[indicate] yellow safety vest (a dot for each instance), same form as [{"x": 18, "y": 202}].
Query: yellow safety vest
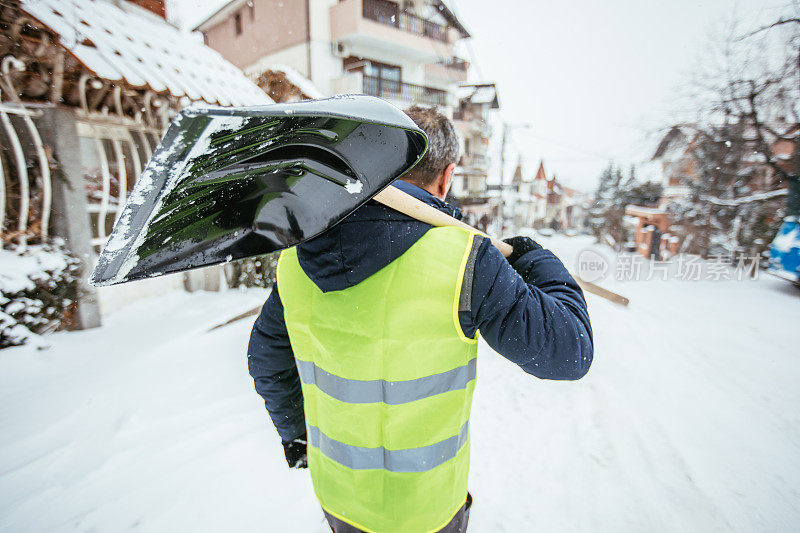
[{"x": 387, "y": 377}]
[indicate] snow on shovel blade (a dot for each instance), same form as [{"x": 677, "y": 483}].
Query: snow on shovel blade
[{"x": 233, "y": 183}]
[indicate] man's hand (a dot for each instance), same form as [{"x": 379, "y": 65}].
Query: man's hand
[
  {"x": 522, "y": 245},
  {"x": 295, "y": 452}
]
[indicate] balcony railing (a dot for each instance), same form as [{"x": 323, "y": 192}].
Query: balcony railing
[
  {"x": 455, "y": 63},
  {"x": 474, "y": 161},
  {"x": 389, "y": 13},
  {"x": 384, "y": 88}
]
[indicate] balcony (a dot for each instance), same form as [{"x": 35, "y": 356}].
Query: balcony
[
  {"x": 476, "y": 163},
  {"x": 408, "y": 92},
  {"x": 455, "y": 63},
  {"x": 366, "y": 26},
  {"x": 453, "y": 69},
  {"x": 388, "y": 13}
]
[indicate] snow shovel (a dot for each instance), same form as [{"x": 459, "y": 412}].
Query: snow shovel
[{"x": 227, "y": 184}]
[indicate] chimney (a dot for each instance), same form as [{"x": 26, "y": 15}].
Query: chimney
[{"x": 154, "y": 6}]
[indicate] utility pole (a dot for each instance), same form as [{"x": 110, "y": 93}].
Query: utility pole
[
  {"x": 503, "y": 156},
  {"x": 509, "y": 210},
  {"x": 507, "y": 127}
]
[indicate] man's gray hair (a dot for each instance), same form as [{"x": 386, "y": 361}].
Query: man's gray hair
[{"x": 443, "y": 145}]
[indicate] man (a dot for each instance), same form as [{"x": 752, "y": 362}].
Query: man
[{"x": 365, "y": 350}]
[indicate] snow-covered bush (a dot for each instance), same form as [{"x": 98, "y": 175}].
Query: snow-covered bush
[{"x": 37, "y": 288}]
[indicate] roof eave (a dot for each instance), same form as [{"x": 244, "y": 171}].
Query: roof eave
[
  {"x": 217, "y": 16},
  {"x": 452, "y": 19}
]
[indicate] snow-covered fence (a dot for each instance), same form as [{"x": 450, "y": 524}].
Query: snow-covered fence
[
  {"x": 19, "y": 131},
  {"x": 91, "y": 115},
  {"x": 113, "y": 156}
]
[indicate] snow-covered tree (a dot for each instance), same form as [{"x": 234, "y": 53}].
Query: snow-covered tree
[
  {"x": 614, "y": 193},
  {"x": 747, "y": 138}
]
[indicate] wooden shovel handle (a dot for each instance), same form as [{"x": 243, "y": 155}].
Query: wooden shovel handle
[{"x": 405, "y": 203}]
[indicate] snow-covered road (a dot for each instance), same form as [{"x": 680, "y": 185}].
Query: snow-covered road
[{"x": 688, "y": 421}]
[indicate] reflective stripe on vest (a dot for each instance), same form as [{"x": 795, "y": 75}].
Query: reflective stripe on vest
[
  {"x": 387, "y": 377},
  {"x": 409, "y": 460},
  {"x": 379, "y": 390}
]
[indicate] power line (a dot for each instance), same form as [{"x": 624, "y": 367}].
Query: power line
[
  {"x": 571, "y": 146},
  {"x": 473, "y": 58}
]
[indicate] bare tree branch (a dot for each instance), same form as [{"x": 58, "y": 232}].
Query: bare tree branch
[{"x": 782, "y": 21}]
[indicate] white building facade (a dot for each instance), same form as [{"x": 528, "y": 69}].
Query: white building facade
[{"x": 403, "y": 52}]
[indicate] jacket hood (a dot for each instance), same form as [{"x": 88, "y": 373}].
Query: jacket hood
[{"x": 365, "y": 241}]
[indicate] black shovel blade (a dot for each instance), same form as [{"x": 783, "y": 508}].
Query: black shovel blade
[{"x": 227, "y": 184}]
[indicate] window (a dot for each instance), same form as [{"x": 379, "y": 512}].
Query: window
[
  {"x": 379, "y": 78},
  {"x": 389, "y": 76},
  {"x": 237, "y": 23}
]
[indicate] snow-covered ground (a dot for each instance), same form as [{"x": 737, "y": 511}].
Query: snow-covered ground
[{"x": 688, "y": 421}]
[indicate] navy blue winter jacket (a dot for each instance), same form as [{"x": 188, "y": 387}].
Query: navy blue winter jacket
[{"x": 532, "y": 313}]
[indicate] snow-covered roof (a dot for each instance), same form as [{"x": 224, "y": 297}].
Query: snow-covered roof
[
  {"x": 540, "y": 173},
  {"x": 684, "y": 133},
  {"x": 219, "y": 15},
  {"x": 298, "y": 80},
  {"x": 484, "y": 93},
  {"x": 651, "y": 171},
  {"x": 639, "y": 210},
  {"x": 447, "y": 12},
  {"x": 121, "y": 41}
]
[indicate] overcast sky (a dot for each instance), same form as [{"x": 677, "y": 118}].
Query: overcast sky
[{"x": 591, "y": 78}]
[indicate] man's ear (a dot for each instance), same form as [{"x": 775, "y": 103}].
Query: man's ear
[{"x": 446, "y": 180}]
